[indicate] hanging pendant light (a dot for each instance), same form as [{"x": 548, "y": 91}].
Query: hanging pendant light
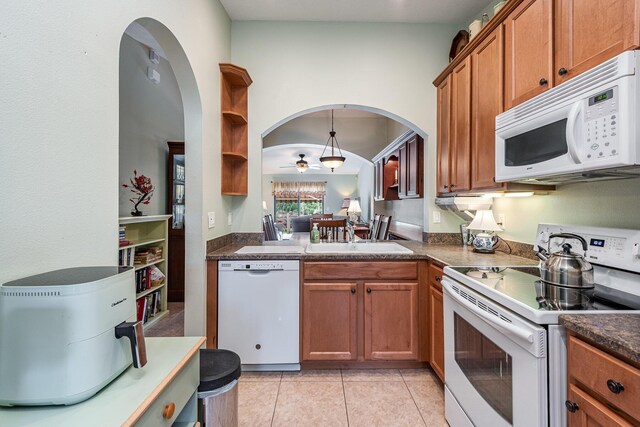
[
  {"x": 332, "y": 161},
  {"x": 302, "y": 164}
]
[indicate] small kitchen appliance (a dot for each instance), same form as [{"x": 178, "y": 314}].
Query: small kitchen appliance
[
  {"x": 62, "y": 334},
  {"x": 505, "y": 352},
  {"x": 582, "y": 129}
]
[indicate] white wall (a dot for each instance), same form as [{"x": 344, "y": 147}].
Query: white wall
[
  {"x": 150, "y": 115},
  {"x": 338, "y": 187},
  {"x": 59, "y": 120},
  {"x": 301, "y": 65}
]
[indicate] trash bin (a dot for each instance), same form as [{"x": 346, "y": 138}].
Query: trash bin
[{"x": 218, "y": 390}]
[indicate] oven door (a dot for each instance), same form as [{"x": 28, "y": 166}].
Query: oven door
[{"x": 495, "y": 362}]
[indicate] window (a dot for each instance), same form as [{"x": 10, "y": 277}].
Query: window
[{"x": 297, "y": 198}]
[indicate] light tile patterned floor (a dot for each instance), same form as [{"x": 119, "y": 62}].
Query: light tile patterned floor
[{"x": 355, "y": 397}]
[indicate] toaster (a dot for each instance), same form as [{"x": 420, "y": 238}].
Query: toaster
[{"x": 66, "y": 334}]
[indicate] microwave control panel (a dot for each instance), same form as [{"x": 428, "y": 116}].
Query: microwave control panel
[{"x": 601, "y": 125}]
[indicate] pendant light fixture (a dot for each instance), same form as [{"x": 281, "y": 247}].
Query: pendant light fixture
[
  {"x": 302, "y": 164},
  {"x": 332, "y": 161}
]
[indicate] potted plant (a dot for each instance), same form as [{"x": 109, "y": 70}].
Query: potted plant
[{"x": 142, "y": 188}]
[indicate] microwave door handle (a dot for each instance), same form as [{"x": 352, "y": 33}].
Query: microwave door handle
[
  {"x": 507, "y": 328},
  {"x": 572, "y": 145}
]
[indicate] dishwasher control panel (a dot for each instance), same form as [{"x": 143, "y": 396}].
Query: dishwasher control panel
[{"x": 252, "y": 265}]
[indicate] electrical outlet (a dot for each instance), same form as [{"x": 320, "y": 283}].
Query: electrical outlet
[
  {"x": 501, "y": 221},
  {"x": 229, "y": 218},
  {"x": 436, "y": 217},
  {"x": 212, "y": 219}
]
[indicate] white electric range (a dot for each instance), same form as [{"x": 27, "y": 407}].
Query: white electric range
[{"x": 505, "y": 353}]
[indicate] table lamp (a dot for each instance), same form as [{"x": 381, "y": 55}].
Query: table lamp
[
  {"x": 354, "y": 210},
  {"x": 485, "y": 241}
]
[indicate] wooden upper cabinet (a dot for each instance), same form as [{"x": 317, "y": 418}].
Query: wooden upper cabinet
[
  {"x": 444, "y": 132},
  {"x": 487, "y": 103},
  {"x": 415, "y": 174},
  {"x": 460, "y": 144},
  {"x": 529, "y": 68},
  {"x": 403, "y": 163},
  {"x": 329, "y": 321},
  {"x": 391, "y": 321},
  {"x": 588, "y": 32}
]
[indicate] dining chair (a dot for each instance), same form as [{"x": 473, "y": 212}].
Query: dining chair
[
  {"x": 331, "y": 227},
  {"x": 269, "y": 228},
  {"x": 383, "y": 231},
  {"x": 322, "y": 216},
  {"x": 375, "y": 226}
]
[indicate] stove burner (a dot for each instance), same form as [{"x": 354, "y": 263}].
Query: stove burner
[{"x": 558, "y": 298}]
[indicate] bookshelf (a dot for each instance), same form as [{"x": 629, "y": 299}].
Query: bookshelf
[
  {"x": 146, "y": 237},
  {"x": 234, "y": 82}
]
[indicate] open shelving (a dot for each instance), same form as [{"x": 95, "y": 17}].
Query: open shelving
[
  {"x": 233, "y": 104},
  {"x": 149, "y": 231}
]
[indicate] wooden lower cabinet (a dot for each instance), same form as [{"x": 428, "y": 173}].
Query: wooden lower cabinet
[
  {"x": 590, "y": 412},
  {"x": 329, "y": 321},
  {"x": 391, "y": 321},
  {"x": 436, "y": 322}
]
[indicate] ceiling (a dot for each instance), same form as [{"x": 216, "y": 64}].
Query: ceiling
[
  {"x": 415, "y": 11},
  {"x": 274, "y": 158}
]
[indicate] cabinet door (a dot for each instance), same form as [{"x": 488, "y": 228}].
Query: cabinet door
[
  {"x": 403, "y": 163},
  {"x": 391, "y": 321},
  {"x": 487, "y": 83},
  {"x": 377, "y": 186},
  {"x": 436, "y": 322},
  {"x": 444, "y": 132},
  {"x": 461, "y": 127},
  {"x": 590, "y": 412},
  {"x": 329, "y": 322},
  {"x": 590, "y": 32},
  {"x": 414, "y": 167},
  {"x": 529, "y": 51}
]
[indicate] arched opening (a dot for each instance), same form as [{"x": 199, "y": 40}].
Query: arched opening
[
  {"x": 362, "y": 130},
  {"x": 160, "y": 102}
]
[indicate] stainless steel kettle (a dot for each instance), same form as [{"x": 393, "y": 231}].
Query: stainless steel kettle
[{"x": 566, "y": 268}]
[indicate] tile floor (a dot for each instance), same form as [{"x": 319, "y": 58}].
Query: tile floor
[
  {"x": 170, "y": 326},
  {"x": 371, "y": 397}
]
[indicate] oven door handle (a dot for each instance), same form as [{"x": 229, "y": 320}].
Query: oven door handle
[
  {"x": 507, "y": 328},
  {"x": 572, "y": 145}
]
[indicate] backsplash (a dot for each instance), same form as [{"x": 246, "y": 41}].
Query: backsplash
[{"x": 234, "y": 239}]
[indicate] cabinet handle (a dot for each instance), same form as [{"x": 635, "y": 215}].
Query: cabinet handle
[
  {"x": 438, "y": 278},
  {"x": 169, "y": 409},
  {"x": 446, "y": 186},
  {"x": 562, "y": 71},
  {"x": 543, "y": 81},
  {"x": 571, "y": 406},
  {"x": 353, "y": 290},
  {"x": 451, "y": 187},
  {"x": 615, "y": 387},
  {"x": 368, "y": 290}
]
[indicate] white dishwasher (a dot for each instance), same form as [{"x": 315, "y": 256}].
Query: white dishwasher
[{"x": 259, "y": 313}]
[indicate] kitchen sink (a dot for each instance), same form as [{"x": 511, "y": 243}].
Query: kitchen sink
[{"x": 357, "y": 248}]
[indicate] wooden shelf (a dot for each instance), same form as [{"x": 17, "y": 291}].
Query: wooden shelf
[
  {"x": 235, "y": 118},
  {"x": 234, "y": 155},
  {"x": 236, "y": 76},
  {"x": 150, "y": 290},
  {"x": 231, "y": 193},
  {"x": 135, "y": 244},
  {"x": 141, "y": 266},
  {"x": 155, "y": 319}
]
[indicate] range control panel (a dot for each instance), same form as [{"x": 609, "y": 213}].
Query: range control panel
[
  {"x": 610, "y": 247},
  {"x": 601, "y": 118}
]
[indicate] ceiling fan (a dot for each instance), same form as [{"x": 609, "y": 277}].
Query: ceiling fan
[{"x": 302, "y": 165}]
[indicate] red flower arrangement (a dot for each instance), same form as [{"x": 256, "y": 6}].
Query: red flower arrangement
[{"x": 142, "y": 187}]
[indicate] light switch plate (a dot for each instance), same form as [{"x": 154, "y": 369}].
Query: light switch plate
[
  {"x": 229, "y": 218},
  {"x": 501, "y": 221},
  {"x": 436, "y": 217},
  {"x": 212, "y": 219}
]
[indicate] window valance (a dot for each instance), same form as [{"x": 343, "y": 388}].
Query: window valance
[{"x": 293, "y": 189}]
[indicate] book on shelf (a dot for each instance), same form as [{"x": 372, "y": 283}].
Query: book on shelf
[
  {"x": 149, "y": 306},
  {"x": 125, "y": 257}
]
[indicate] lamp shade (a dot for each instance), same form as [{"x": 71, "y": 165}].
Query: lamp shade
[
  {"x": 354, "y": 207},
  {"x": 264, "y": 205},
  {"x": 345, "y": 203},
  {"x": 484, "y": 221}
]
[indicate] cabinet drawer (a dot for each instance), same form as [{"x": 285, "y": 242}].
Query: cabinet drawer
[
  {"x": 178, "y": 392},
  {"x": 594, "y": 368},
  {"x": 435, "y": 276},
  {"x": 397, "y": 270}
]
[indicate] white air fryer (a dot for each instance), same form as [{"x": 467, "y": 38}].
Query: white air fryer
[{"x": 62, "y": 334}]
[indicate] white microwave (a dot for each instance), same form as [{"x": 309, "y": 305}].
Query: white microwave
[{"x": 583, "y": 129}]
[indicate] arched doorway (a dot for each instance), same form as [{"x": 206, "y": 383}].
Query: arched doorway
[{"x": 187, "y": 97}]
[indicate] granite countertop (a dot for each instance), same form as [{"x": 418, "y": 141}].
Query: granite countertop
[
  {"x": 440, "y": 253},
  {"x": 620, "y": 333}
]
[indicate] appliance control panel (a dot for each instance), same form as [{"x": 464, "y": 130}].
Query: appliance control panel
[
  {"x": 609, "y": 247},
  {"x": 601, "y": 118},
  {"x": 258, "y": 265}
]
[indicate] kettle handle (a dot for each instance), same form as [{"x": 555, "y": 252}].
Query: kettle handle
[
  {"x": 135, "y": 333},
  {"x": 569, "y": 236}
]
